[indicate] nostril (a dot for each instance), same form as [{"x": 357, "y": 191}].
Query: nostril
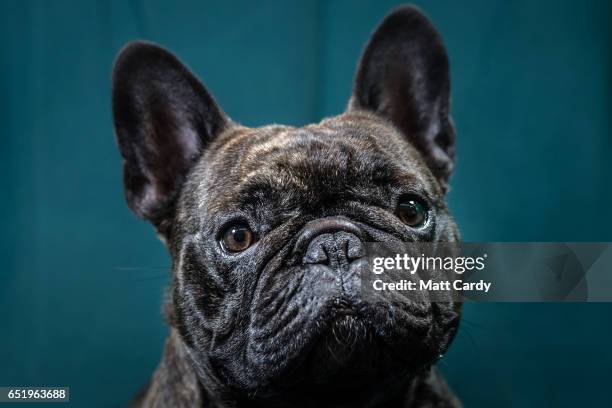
[
  {"x": 316, "y": 252},
  {"x": 354, "y": 247}
]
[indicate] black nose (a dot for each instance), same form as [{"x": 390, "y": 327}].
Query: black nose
[
  {"x": 334, "y": 248},
  {"x": 331, "y": 241}
]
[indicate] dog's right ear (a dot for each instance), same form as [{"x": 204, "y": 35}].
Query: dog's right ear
[{"x": 164, "y": 118}]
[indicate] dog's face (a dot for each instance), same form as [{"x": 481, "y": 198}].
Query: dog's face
[{"x": 267, "y": 226}]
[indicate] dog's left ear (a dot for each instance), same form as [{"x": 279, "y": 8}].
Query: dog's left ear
[{"x": 404, "y": 76}]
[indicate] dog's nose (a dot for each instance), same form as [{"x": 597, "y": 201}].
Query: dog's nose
[
  {"x": 334, "y": 248},
  {"x": 332, "y": 241}
]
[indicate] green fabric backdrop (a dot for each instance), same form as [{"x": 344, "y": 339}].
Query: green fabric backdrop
[{"x": 81, "y": 278}]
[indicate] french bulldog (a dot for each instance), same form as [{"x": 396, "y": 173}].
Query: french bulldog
[{"x": 266, "y": 228}]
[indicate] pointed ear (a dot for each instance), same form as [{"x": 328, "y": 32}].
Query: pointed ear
[
  {"x": 164, "y": 118},
  {"x": 404, "y": 76}
]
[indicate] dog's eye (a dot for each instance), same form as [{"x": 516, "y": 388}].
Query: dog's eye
[
  {"x": 412, "y": 212},
  {"x": 237, "y": 238}
]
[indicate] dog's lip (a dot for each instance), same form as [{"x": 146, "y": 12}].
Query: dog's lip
[{"x": 343, "y": 307}]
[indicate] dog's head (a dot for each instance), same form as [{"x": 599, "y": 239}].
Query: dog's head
[{"x": 267, "y": 226}]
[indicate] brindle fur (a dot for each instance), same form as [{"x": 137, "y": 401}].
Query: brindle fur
[{"x": 261, "y": 328}]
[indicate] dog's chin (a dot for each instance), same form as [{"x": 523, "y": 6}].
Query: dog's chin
[
  {"x": 347, "y": 361},
  {"x": 346, "y": 352}
]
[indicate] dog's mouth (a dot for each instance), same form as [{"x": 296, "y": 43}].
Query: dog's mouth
[
  {"x": 347, "y": 342},
  {"x": 315, "y": 331},
  {"x": 344, "y": 343},
  {"x": 347, "y": 333},
  {"x": 343, "y": 360}
]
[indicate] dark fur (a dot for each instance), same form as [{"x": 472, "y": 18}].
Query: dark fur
[{"x": 264, "y": 327}]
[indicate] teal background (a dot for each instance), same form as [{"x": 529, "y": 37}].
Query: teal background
[{"x": 81, "y": 279}]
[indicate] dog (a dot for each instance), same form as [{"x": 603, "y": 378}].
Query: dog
[{"x": 267, "y": 228}]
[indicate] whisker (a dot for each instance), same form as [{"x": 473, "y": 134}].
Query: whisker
[
  {"x": 472, "y": 324},
  {"x": 150, "y": 278},
  {"x": 141, "y": 268},
  {"x": 469, "y": 335}
]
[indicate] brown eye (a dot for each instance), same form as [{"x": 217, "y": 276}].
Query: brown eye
[
  {"x": 412, "y": 212},
  {"x": 237, "y": 238}
]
